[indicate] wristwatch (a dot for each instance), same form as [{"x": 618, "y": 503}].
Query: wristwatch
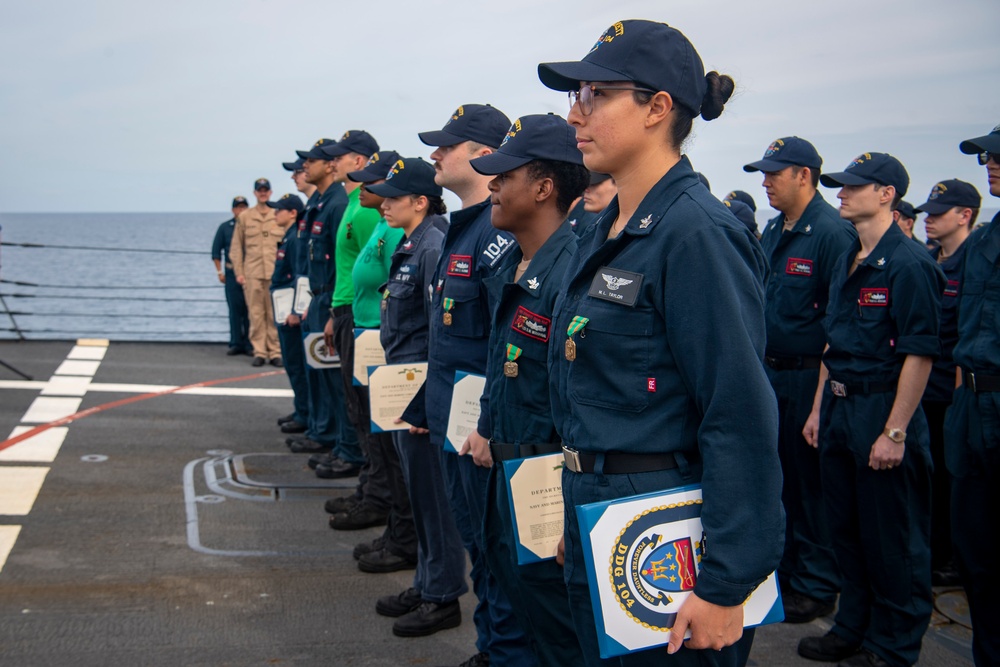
[{"x": 897, "y": 435}]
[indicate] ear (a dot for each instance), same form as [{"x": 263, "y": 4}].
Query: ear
[
  {"x": 660, "y": 107},
  {"x": 420, "y": 203},
  {"x": 966, "y": 216},
  {"x": 544, "y": 189},
  {"x": 887, "y": 194}
]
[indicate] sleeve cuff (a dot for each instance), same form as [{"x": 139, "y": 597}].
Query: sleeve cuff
[
  {"x": 723, "y": 593},
  {"x": 921, "y": 346}
]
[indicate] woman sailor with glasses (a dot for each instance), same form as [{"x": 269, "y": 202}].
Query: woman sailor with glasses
[{"x": 657, "y": 375}]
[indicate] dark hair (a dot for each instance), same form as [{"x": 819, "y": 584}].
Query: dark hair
[
  {"x": 972, "y": 218},
  {"x": 813, "y": 173},
  {"x": 570, "y": 180},
  {"x": 720, "y": 89},
  {"x": 435, "y": 205}
]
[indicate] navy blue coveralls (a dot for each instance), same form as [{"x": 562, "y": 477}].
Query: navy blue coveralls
[
  {"x": 440, "y": 574},
  {"x": 672, "y": 370},
  {"x": 327, "y": 407},
  {"x": 290, "y": 337},
  {"x": 972, "y": 440},
  {"x": 890, "y": 307},
  {"x": 472, "y": 251},
  {"x": 580, "y": 219},
  {"x": 521, "y": 422},
  {"x": 239, "y": 316},
  {"x": 937, "y": 398},
  {"x": 802, "y": 261}
]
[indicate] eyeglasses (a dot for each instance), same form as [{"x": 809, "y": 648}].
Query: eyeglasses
[
  {"x": 585, "y": 96},
  {"x": 985, "y": 157}
]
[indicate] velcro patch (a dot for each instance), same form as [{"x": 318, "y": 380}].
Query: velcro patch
[
  {"x": 460, "y": 265},
  {"x": 531, "y": 324},
  {"x": 317, "y": 227},
  {"x": 281, "y": 253},
  {"x": 874, "y": 296},
  {"x": 616, "y": 285},
  {"x": 951, "y": 289},
  {"x": 799, "y": 267}
]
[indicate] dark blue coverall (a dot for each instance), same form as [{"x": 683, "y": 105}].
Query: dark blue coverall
[
  {"x": 290, "y": 337},
  {"x": 239, "y": 316}
]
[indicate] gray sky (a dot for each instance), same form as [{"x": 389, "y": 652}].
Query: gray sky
[{"x": 131, "y": 105}]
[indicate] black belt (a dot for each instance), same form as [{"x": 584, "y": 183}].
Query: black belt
[
  {"x": 977, "y": 382},
  {"x": 340, "y": 310},
  {"x": 501, "y": 451},
  {"x": 622, "y": 463},
  {"x": 845, "y": 389},
  {"x": 793, "y": 363}
]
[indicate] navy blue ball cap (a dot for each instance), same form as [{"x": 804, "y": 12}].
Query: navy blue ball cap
[
  {"x": 880, "y": 168},
  {"x": 239, "y": 201},
  {"x": 293, "y": 166},
  {"x": 288, "y": 202},
  {"x": 353, "y": 141},
  {"x": 946, "y": 195},
  {"x": 261, "y": 184},
  {"x": 650, "y": 54},
  {"x": 906, "y": 210},
  {"x": 740, "y": 196},
  {"x": 787, "y": 152},
  {"x": 408, "y": 176},
  {"x": 471, "y": 122},
  {"x": 377, "y": 167},
  {"x": 316, "y": 152},
  {"x": 989, "y": 143},
  {"x": 535, "y": 137},
  {"x": 596, "y": 178},
  {"x": 742, "y": 213}
]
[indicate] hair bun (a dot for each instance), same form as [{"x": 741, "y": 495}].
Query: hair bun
[{"x": 720, "y": 89}]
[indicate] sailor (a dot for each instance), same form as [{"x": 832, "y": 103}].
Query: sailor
[
  {"x": 538, "y": 171},
  {"x": 239, "y": 322},
  {"x": 662, "y": 379},
  {"x": 882, "y": 328},
  {"x": 802, "y": 245},
  {"x": 599, "y": 193},
  {"x": 460, "y": 329},
  {"x": 972, "y": 427},
  {"x": 905, "y": 216}
]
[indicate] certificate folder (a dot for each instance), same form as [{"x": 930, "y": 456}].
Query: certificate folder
[
  {"x": 534, "y": 494},
  {"x": 643, "y": 555}
]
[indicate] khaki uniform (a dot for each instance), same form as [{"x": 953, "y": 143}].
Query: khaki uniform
[{"x": 252, "y": 252}]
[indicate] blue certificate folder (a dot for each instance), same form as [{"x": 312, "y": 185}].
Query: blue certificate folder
[
  {"x": 643, "y": 555},
  {"x": 546, "y": 520}
]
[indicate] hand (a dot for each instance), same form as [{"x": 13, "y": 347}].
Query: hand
[
  {"x": 480, "y": 448},
  {"x": 711, "y": 625},
  {"x": 328, "y": 336},
  {"x": 222, "y": 278},
  {"x": 561, "y": 552},
  {"x": 241, "y": 280},
  {"x": 811, "y": 430},
  {"x": 414, "y": 430},
  {"x": 293, "y": 320},
  {"x": 886, "y": 454}
]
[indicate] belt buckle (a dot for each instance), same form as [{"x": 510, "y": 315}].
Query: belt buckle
[
  {"x": 572, "y": 459},
  {"x": 838, "y": 388},
  {"x": 971, "y": 379}
]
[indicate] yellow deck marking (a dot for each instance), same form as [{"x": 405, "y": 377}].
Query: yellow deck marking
[
  {"x": 19, "y": 486},
  {"x": 8, "y": 535},
  {"x": 48, "y": 409},
  {"x": 41, "y": 448}
]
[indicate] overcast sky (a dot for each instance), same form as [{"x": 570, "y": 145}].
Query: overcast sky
[{"x": 131, "y": 105}]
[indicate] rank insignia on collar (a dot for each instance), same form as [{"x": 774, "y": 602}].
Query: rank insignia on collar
[
  {"x": 808, "y": 228},
  {"x": 645, "y": 222},
  {"x": 774, "y": 225},
  {"x": 533, "y": 283},
  {"x": 881, "y": 261}
]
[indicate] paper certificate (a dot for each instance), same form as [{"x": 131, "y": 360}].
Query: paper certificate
[
  {"x": 282, "y": 300},
  {"x": 392, "y": 388},
  {"x": 536, "y": 503},
  {"x": 643, "y": 555},
  {"x": 317, "y": 353},
  {"x": 302, "y": 295},
  {"x": 464, "y": 415},
  {"x": 367, "y": 352}
]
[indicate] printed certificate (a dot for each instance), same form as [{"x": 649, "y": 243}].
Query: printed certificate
[
  {"x": 643, "y": 555},
  {"x": 464, "y": 415},
  {"x": 302, "y": 295},
  {"x": 392, "y": 388},
  {"x": 282, "y": 300},
  {"x": 367, "y": 352},
  {"x": 317, "y": 353},
  {"x": 536, "y": 503}
]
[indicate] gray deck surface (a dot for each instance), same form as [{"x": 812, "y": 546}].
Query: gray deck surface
[{"x": 201, "y": 541}]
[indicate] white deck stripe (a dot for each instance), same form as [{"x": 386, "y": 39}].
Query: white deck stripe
[
  {"x": 8, "y": 535},
  {"x": 70, "y": 367},
  {"x": 41, "y": 448},
  {"x": 124, "y": 388},
  {"x": 45, "y": 409},
  {"x": 91, "y": 353},
  {"x": 22, "y": 384},
  {"x": 19, "y": 486},
  {"x": 67, "y": 385}
]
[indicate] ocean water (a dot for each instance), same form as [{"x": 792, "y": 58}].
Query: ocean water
[{"x": 168, "y": 292}]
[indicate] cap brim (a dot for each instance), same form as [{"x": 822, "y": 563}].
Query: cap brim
[
  {"x": 990, "y": 143},
  {"x": 498, "y": 163},
  {"x": 272, "y": 204},
  {"x": 334, "y": 151},
  {"x": 440, "y": 138},
  {"x": 843, "y": 178},
  {"x": 386, "y": 190},
  {"x": 567, "y": 76},
  {"x": 934, "y": 208},
  {"x": 597, "y": 177},
  {"x": 311, "y": 155},
  {"x": 363, "y": 176},
  {"x": 290, "y": 166},
  {"x": 767, "y": 166}
]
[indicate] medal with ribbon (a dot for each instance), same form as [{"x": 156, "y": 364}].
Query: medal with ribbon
[
  {"x": 510, "y": 366},
  {"x": 448, "y": 304},
  {"x": 385, "y": 300},
  {"x": 575, "y": 326}
]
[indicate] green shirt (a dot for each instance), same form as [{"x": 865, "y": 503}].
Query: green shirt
[
  {"x": 355, "y": 228},
  {"x": 371, "y": 272}
]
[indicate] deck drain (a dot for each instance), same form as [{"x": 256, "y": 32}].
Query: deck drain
[
  {"x": 94, "y": 458},
  {"x": 210, "y": 499}
]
